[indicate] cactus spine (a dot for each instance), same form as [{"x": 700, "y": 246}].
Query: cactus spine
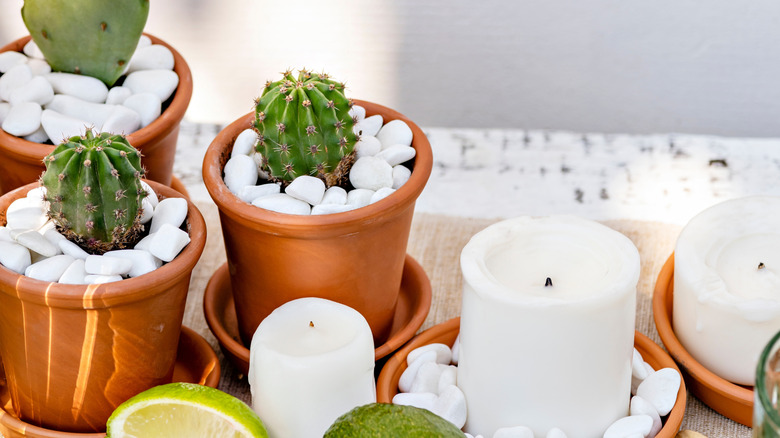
[
  {"x": 304, "y": 128},
  {"x": 93, "y": 186},
  {"x": 95, "y": 38}
]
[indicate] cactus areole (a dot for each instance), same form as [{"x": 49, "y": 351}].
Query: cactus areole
[
  {"x": 93, "y": 186},
  {"x": 94, "y": 38},
  {"x": 304, "y": 128}
]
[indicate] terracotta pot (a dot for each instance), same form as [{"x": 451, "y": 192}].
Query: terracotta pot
[
  {"x": 22, "y": 160},
  {"x": 355, "y": 258},
  {"x": 72, "y": 353}
]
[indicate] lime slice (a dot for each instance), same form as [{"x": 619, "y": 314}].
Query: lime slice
[{"x": 184, "y": 410}]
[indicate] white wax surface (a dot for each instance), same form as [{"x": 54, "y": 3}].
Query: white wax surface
[
  {"x": 541, "y": 356},
  {"x": 726, "y": 308},
  {"x": 311, "y": 361}
]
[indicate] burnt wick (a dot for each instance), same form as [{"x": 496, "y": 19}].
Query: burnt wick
[
  {"x": 548, "y": 283},
  {"x": 311, "y": 323},
  {"x": 761, "y": 265}
]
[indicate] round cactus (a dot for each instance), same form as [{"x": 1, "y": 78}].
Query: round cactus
[
  {"x": 93, "y": 186},
  {"x": 304, "y": 128}
]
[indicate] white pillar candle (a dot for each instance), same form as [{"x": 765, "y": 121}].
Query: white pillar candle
[
  {"x": 547, "y": 356},
  {"x": 311, "y": 360},
  {"x": 727, "y": 285}
]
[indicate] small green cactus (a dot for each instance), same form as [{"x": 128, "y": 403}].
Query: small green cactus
[
  {"x": 91, "y": 37},
  {"x": 304, "y": 128},
  {"x": 93, "y": 186}
]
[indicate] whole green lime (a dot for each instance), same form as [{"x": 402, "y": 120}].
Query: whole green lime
[{"x": 382, "y": 420}]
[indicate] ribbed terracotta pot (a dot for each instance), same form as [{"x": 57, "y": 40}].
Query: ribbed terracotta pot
[
  {"x": 73, "y": 353},
  {"x": 21, "y": 161},
  {"x": 355, "y": 258}
]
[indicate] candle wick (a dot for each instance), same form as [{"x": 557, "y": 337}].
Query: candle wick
[
  {"x": 311, "y": 323},
  {"x": 548, "y": 283},
  {"x": 761, "y": 265}
]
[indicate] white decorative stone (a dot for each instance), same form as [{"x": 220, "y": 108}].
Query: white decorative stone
[
  {"x": 306, "y": 188},
  {"x": 150, "y": 194},
  {"x": 250, "y": 193},
  {"x": 381, "y": 194},
  {"x": 143, "y": 262},
  {"x": 371, "y": 173},
  {"x": 638, "y": 371},
  {"x": 95, "y": 114},
  {"x": 145, "y": 243},
  {"x": 451, "y": 405},
  {"x": 427, "y": 378},
  {"x": 628, "y": 426},
  {"x": 283, "y": 203},
  {"x": 10, "y": 59},
  {"x": 147, "y": 211},
  {"x": 49, "y": 269},
  {"x": 100, "y": 279},
  {"x": 407, "y": 377},
  {"x": 160, "y": 82},
  {"x": 74, "y": 274},
  {"x": 395, "y": 132},
  {"x": 118, "y": 95},
  {"x": 168, "y": 242},
  {"x": 39, "y": 136},
  {"x": 60, "y": 127},
  {"x": 101, "y": 265},
  {"x": 34, "y": 241},
  {"x": 54, "y": 236},
  {"x": 640, "y": 406},
  {"x": 14, "y": 78},
  {"x": 144, "y": 41},
  {"x": 422, "y": 400},
  {"x": 334, "y": 195},
  {"x": 449, "y": 376},
  {"x": 14, "y": 256},
  {"x": 397, "y": 154},
  {"x": 32, "y": 50},
  {"x": 23, "y": 119},
  {"x": 555, "y": 433},
  {"x": 245, "y": 143},
  {"x": 71, "y": 249},
  {"x": 5, "y": 107},
  {"x": 37, "y": 90},
  {"x": 170, "y": 211},
  {"x": 153, "y": 57},
  {"x": 5, "y": 234},
  {"x": 49, "y": 225},
  {"x": 514, "y": 432},
  {"x": 443, "y": 353},
  {"x": 81, "y": 86},
  {"x": 240, "y": 171},
  {"x": 39, "y": 67},
  {"x": 368, "y": 146},
  {"x": 25, "y": 214},
  {"x": 369, "y": 126},
  {"x": 356, "y": 112},
  {"x": 330, "y": 209},
  {"x": 147, "y": 105},
  {"x": 359, "y": 197},
  {"x": 122, "y": 121},
  {"x": 257, "y": 157},
  {"x": 401, "y": 175},
  {"x": 660, "y": 389}
]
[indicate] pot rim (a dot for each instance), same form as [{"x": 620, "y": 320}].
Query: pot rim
[
  {"x": 79, "y": 296},
  {"x": 31, "y": 152},
  {"x": 301, "y": 226}
]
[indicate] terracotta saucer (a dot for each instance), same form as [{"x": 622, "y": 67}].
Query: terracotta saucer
[
  {"x": 446, "y": 332},
  {"x": 729, "y": 399},
  {"x": 196, "y": 362},
  {"x": 414, "y": 302}
]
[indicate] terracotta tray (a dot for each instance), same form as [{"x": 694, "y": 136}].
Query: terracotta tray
[
  {"x": 729, "y": 399},
  {"x": 446, "y": 332},
  {"x": 414, "y": 302},
  {"x": 196, "y": 362}
]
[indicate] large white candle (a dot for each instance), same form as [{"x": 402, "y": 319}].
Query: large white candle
[
  {"x": 727, "y": 285},
  {"x": 311, "y": 360},
  {"x": 547, "y": 356}
]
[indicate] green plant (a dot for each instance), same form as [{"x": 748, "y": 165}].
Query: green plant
[
  {"x": 304, "y": 128},
  {"x": 93, "y": 186},
  {"x": 91, "y": 37}
]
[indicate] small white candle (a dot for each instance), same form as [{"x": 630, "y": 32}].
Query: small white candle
[
  {"x": 547, "y": 356},
  {"x": 727, "y": 285},
  {"x": 311, "y": 360}
]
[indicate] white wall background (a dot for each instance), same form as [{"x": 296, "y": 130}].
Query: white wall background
[{"x": 596, "y": 66}]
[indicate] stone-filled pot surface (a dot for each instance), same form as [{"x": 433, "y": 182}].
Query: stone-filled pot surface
[
  {"x": 73, "y": 353},
  {"x": 22, "y": 160},
  {"x": 355, "y": 258}
]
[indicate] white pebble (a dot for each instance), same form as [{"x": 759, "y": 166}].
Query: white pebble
[
  {"x": 95, "y": 114},
  {"x": 443, "y": 353},
  {"x": 144, "y": 41},
  {"x": 154, "y": 57},
  {"x": 334, "y": 195},
  {"x": 451, "y": 405},
  {"x": 468, "y": 435},
  {"x": 368, "y": 146},
  {"x": 81, "y": 86},
  {"x": 395, "y": 132},
  {"x": 283, "y": 203},
  {"x": 74, "y": 274},
  {"x": 34, "y": 241},
  {"x": 5, "y": 107},
  {"x": 32, "y": 50},
  {"x": 100, "y": 265},
  {"x": 122, "y": 121},
  {"x": 10, "y": 59},
  {"x": 640, "y": 406},
  {"x": 60, "y": 127},
  {"x": 449, "y": 376},
  {"x": 118, "y": 95},
  {"x": 359, "y": 197},
  {"x": 245, "y": 143},
  {"x": 371, "y": 173},
  {"x": 23, "y": 119},
  {"x": 555, "y": 433},
  {"x": 26, "y": 213},
  {"x": 5, "y": 234},
  {"x": 356, "y": 112},
  {"x": 257, "y": 157},
  {"x": 638, "y": 371},
  {"x": 381, "y": 194},
  {"x": 407, "y": 377},
  {"x": 37, "y": 90},
  {"x": 54, "y": 237},
  {"x": 427, "y": 378},
  {"x": 628, "y": 426},
  {"x": 401, "y": 175},
  {"x": 14, "y": 78},
  {"x": 369, "y": 126},
  {"x": 240, "y": 171},
  {"x": 143, "y": 261},
  {"x": 150, "y": 194},
  {"x": 147, "y": 211},
  {"x": 422, "y": 400},
  {"x": 306, "y": 188},
  {"x": 72, "y": 249},
  {"x": 39, "y": 136},
  {"x": 147, "y": 105},
  {"x": 169, "y": 242},
  {"x": 250, "y": 193},
  {"x": 171, "y": 211},
  {"x": 514, "y": 432},
  {"x": 100, "y": 279},
  {"x": 144, "y": 243},
  {"x": 330, "y": 209},
  {"x": 39, "y": 67},
  {"x": 397, "y": 154},
  {"x": 14, "y": 256},
  {"x": 49, "y": 269},
  {"x": 49, "y": 225},
  {"x": 660, "y": 389},
  {"x": 160, "y": 82}
]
